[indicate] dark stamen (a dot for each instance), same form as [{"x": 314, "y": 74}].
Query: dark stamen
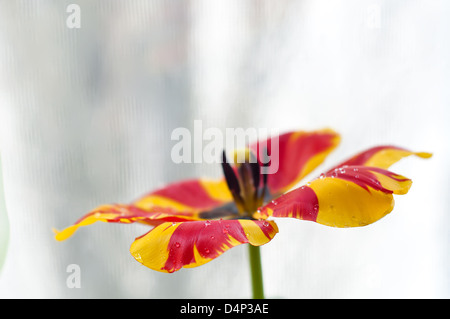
[
  {"x": 245, "y": 183},
  {"x": 255, "y": 173},
  {"x": 265, "y": 163},
  {"x": 232, "y": 182}
]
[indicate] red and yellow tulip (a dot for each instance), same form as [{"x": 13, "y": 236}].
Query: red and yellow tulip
[{"x": 195, "y": 221}]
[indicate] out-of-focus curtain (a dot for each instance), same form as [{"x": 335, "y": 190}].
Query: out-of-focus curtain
[
  {"x": 4, "y": 224},
  {"x": 86, "y": 116}
]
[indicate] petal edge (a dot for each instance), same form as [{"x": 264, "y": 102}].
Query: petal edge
[{"x": 172, "y": 246}]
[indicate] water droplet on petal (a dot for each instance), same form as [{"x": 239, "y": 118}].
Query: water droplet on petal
[
  {"x": 207, "y": 223},
  {"x": 212, "y": 237},
  {"x": 173, "y": 224},
  {"x": 266, "y": 223},
  {"x": 177, "y": 244},
  {"x": 322, "y": 176},
  {"x": 206, "y": 251}
]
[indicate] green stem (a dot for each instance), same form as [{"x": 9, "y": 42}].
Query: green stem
[{"x": 256, "y": 272}]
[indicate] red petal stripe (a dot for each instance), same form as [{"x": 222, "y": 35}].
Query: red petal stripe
[
  {"x": 190, "y": 193},
  {"x": 298, "y": 154}
]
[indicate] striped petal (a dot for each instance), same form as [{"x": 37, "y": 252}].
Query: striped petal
[
  {"x": 125, "y": 214},
  {"x": 183, "y": 201},
  {"x": 294, "y": 155},
  {"x": 191, "y": 195},
  {"x": 345, "y": 197},
  {"x": 381, "y": 156},
  {"x": 171, "y": 246}
]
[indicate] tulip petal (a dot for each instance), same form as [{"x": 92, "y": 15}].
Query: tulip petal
[
  {"x": 381, "y": 156},
  {"x": 294, "y": 156},
  {"x": 125, "y": 214},
  {"x": 346, "y": 197},
  {"x": 195, "y": 195},
  {"x": 183, "y": 201},
  {"x": 171, "y": 246}
]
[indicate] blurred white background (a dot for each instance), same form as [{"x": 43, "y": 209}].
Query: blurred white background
[{"x": 86, "y": 116}]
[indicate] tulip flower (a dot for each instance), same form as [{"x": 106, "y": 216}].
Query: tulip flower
[{"x": 195, "y": 221}]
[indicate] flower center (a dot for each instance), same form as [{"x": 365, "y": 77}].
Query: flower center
[{"x": 245, "y": 181}]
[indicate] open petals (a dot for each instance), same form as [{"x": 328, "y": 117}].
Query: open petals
[
  {"x": 345, "y": 197},
  {"x": 126, "y": 214},
  {"x": 183, "y": 201},
  {"x": 381, "y": 156},
  {"x": 294, "y": 156},
  {"x": 193, "y": 195},
  {"x": 171, "y": 246}
]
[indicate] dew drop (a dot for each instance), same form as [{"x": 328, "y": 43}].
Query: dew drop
[
  {"x": 207, "y": 223},
  {"x": 322, "y": 176},
  {"x": 173, "y": 224},
  {"x": 177, "y": 244},
  {"x": 212, "y": 237},
  {"x": 206, "y": 251},
  {"x": 274, "y": 202},
  {"x": 266, "y": 224}
]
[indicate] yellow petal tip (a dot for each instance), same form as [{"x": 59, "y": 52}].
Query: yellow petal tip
[{"x": 424, "y": 154}]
